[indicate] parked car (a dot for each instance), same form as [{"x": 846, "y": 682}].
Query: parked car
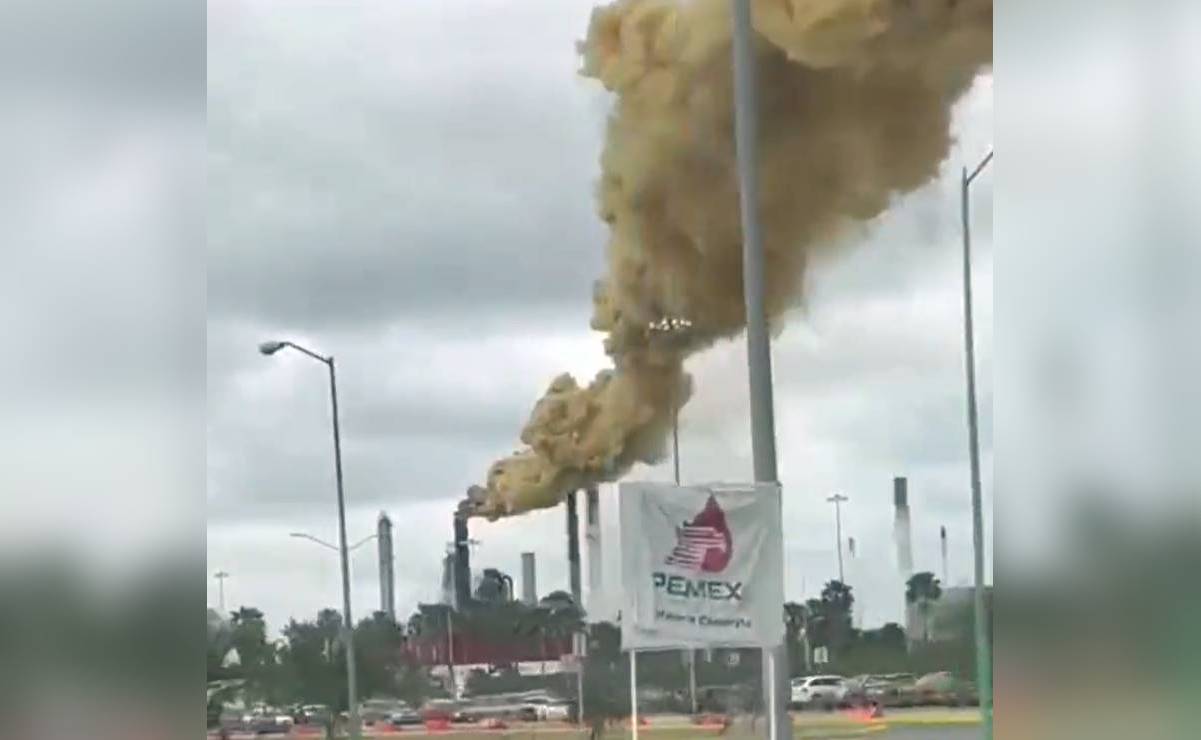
[
  {"x": 554, "y": 711},
  {"x": 404, "y": 715},
  {"x": 891, "y": 690},
  {"x": 379, "y": 711},
  {"x": 316, "y": 715},
  {"x": 944, "y": 688},
  {"x": 509, "y": 706},
  {"x": 264, "y": 720},
  {"x": 445, "y": 710},
  {"x": 818, "y": 691}
]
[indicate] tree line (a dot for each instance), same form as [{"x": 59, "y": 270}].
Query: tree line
[{"x": 308, "y": 664}]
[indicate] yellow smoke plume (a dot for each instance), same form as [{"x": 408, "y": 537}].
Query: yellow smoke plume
[{"x": 855, "y": 104}]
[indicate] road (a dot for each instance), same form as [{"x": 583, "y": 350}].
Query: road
[
  {"x": 910, "y": 724},
  {"x": 933, "y": 733}
]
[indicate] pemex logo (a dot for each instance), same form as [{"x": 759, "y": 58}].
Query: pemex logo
[{"x": 704, "y": 544}]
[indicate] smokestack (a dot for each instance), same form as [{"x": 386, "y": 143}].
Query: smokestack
[
  {"x": 942, "y": 538},
  {"x": 573, "y": 547},
  {"x": 529, "y": 584},
  {"x": 387, "y": 579},
  {"x": 900, "y": 497},
  {"x": 592, "y": 535},
  {"x": 462, "y": 563},
  {"x": 448, "y": 579}
]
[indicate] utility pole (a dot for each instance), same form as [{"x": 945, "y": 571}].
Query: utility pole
[
  {"x": 983, "y": 651},
  {"x": 837, "y": 499},
  {"x": 221, "y": 576}
]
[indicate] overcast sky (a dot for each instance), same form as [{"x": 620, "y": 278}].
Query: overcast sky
[{"x": 408, "y": 186}]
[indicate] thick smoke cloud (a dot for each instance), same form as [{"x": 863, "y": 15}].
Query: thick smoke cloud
[{"x": 855, "y": 107}]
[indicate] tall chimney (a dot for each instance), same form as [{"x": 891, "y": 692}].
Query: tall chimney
[
  {"x": 900, "y": 497},
  {"x": 592, "y": 536},
  {"x": 942, "y": 538},
  {"x": 387, "y": 579},
  {"x": 573, "y": 547},
  {"x": 529, "y": 584},
  {"x": 462, "y": 564}
]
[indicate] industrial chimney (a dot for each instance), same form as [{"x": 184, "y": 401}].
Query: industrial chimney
[
  {"x": 592, "y": 538},
  {"x": 573, "y": 547},
  {"x": 462, "y": 563},
  {"x": 901, "y": 527},
  {"x": 942, "y": 541},
  {"x": 529, "y": 583},
  {"x": 387, "y": 580}
]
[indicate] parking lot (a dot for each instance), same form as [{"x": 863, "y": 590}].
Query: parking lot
[{"x": 903, "y": 724}]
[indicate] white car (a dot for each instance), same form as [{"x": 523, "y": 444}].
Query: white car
[
  {"x": 553, "y": 711},
  {"x": 266, "y": 720},
  {"x": 827, "y": 691}
]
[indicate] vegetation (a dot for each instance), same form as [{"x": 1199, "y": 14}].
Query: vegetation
[{"x": 308, "y": 666}]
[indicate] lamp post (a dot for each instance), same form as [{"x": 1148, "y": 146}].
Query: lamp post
[
  {"x": 676, "y": 331},
  {"x": 270, "y": 348},
  {"x": 983, "y": 651}
]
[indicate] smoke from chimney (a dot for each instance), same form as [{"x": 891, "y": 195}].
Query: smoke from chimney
[{"x": 855, "y": 102}]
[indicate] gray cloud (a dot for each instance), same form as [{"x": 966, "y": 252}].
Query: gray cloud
[{"x": 355, "y": 188}]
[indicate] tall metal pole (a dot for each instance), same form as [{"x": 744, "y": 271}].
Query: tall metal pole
[
  {"x": 837, "y": 499},
  {"x": 270, "y": 348},
  {"x": 351, "y": 670},
  {"x": 758, "y": 342},
  {"x": 675, "y": 439},
  {"x": 675, "y": 457},
  {"x": 983, "y": 651}
]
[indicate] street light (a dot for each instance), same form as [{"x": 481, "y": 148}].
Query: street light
[
  {"x": 323, "y": 543},
  {"x": 270, "y": 348},
  {"x": 983, "y": 653},
  {"x": 837, "y": 500},
  {"x": 676, "y": 331}
]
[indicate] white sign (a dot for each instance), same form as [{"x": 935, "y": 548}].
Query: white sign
[{"x": 701, "y": 565}]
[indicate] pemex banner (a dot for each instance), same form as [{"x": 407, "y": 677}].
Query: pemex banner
[{"x": 702, "y": 565}]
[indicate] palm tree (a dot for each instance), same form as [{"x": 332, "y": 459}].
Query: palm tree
[
  {"x": 837, "y": 602},
  {"x": 922, "y": 589}
]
